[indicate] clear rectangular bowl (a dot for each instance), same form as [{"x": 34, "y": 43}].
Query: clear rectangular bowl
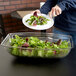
[{"x": 37, "y": 52}]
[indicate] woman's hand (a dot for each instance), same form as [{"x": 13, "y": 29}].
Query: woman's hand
[
  {"x": 38, "y": 11},
  {"x": 55, "y": 11}
]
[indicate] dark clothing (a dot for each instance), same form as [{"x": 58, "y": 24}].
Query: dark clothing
[{"x": 67, "y": 20}]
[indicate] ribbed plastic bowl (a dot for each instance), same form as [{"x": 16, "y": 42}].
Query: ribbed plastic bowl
[{"x": 36, "y": 52}]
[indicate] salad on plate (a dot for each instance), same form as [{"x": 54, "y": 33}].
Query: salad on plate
[{"x": 36, "y": 19}]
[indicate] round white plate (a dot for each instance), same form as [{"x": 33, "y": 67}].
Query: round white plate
[{"x": 38, "y": 27}]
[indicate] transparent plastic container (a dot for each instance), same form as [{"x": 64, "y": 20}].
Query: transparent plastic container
[{"x": 38, "y": 52}]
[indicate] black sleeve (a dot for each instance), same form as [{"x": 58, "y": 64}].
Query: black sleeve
[
  {"x": 47, "y": 6},
  {"x": 67, "y": 4}
]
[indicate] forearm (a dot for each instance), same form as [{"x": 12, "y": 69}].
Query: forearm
[
  {"x": 47, "y": 6},
  {"x": 67, "y": 4}
]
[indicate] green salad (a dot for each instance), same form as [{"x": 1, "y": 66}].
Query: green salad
[
  {"x": 37, "y": 20},
  {"x": 35, "y": 47}
]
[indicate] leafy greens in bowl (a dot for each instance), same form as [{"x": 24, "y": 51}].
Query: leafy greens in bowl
[{"x": 43, "y": 47}]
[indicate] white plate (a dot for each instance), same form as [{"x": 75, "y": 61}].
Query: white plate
[{"x": 38, "y": 27}]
